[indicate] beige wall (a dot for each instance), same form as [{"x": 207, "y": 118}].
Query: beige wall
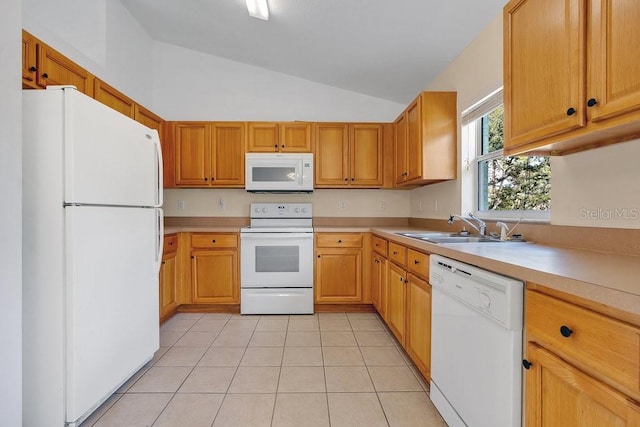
[{"x": 326, "y": 203}]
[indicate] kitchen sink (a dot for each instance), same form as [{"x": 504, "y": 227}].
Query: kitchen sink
[{"x": 449, "y": 238}]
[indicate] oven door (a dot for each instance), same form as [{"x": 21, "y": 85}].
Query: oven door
[{"x": 276, "y": 260}]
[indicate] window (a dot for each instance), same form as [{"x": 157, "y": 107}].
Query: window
[{"x": 505, "y": 186}]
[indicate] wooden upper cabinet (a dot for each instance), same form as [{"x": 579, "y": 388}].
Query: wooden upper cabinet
[
  {"x": 426, "y": 140},
  {"x": 349, "y": 155},
  {"x": 263, "y": 137},
  {"x": 228, "y": 147},
  {"x": 570, "y": 83},
  {"x": 273, "y": 137},
  {"x": 295, "y": 137},
  {"x": 193, "y": 145},
  {"x": 43, "y": 66},
  {"x": 331, "y": 154},
  {"x": 209, "y": 154},
  {"x": 29, "y": 60},
  {"x": 113, "y": 98}
]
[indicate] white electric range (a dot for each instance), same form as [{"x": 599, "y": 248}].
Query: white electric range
[{"x": 276, "y": 260}]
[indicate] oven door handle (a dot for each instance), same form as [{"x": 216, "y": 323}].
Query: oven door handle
[{"x": 275, "y": 236}]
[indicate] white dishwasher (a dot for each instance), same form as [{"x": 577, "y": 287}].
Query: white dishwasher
[{"x": 476, "y": 345}]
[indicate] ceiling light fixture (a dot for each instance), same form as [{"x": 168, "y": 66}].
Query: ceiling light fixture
[{"x": 258, "y": 9}]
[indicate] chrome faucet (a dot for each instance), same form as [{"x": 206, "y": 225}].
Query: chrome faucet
[{"x": 481, "y": 227}]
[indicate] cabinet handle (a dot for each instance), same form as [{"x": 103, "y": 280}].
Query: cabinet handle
[
  {"x": 163, "y": 262},
  {"x": 395, "y": 253},
  {"x": 591, "y": 102},
  {"x": 571, "y": 111},
  {"x": 565, "y": 331},
  {"x": 170, "y": 243},
  {"x": 416, "y": 262},
  {"x": 526, "y": 364},
  {"x": 32, "y": 68},
  {"x": 45, "y": 75},
  {"x": 192, "y": 257},
  {"x": 401, "y": 279}
]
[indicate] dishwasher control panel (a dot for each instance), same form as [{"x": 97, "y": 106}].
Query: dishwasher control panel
[{"x": 497, "y": 297}]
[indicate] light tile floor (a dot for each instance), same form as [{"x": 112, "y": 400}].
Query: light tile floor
[{"x": 327, "y": 369}]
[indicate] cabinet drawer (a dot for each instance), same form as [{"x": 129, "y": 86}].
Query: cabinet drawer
[
  {"x": 328, "y": 240},
  {"x": 379, "y": 245},
  {"x": 418, "y": 263},
  {"x": 398, "y": 253},
  {"x": 608, "y": 347},
  {"x": 214, "y": 241},
  {"x": 170, "y": 243}
]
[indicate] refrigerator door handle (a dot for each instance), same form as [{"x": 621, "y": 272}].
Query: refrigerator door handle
[
  {"x": 160, "y": 173},
  {"x": 159, "y": 237}
]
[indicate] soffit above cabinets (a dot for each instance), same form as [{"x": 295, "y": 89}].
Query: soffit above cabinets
[{"x": 386, "y": 49}]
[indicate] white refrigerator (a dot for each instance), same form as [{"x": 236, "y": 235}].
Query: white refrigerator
[{"x": 92, "y": 248}]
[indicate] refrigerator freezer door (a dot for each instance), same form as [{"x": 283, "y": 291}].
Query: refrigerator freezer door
[
  {"x": 112, "y": 300},
  {"x": 110, "y": 159}
]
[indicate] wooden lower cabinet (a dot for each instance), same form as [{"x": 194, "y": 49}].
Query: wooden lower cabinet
[
  {"x": 396, "y": 307},
  {"x": 338, "y": 275},
  {"x": 214, "y": 269},
  {"x": 379, "y": 284},
  {"x": 418, "y": 326},
  {"x": 559, "y": 394},
  {"x": 168, "y": 280},
  {"x": 582, "y": 362}
]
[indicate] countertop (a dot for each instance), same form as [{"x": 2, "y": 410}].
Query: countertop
[{"x": 607, "y": 278}]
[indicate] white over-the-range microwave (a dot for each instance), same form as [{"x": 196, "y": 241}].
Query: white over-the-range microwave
[{"x": 279, "y": 172}]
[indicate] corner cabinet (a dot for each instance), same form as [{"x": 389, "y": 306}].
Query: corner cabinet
[
  {"x": 214, "y": 268},
  {"x": 169, "y": 277},
  {"x": 209, "y": 154},
  {"x": 111, "y": 97},
  {"x": 582, "y": 367},
  {"x": 426, "y": 140},
  {"x": 349, "y": 155},
  {"x": 570, "y": 82}
]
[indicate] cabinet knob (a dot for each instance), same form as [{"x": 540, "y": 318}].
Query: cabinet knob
[
  {"x": 170, "y": 243},
  {"x": 282, "y": 145},
  {"x": 571, "y": 111},
  {"x": 276, "y": 146},
  {"x": 565, "y": 331},
  {"x": 591, "y": 102},
  {"x": 339, "y": 241},
  {"x": 45, "y": 75},
  {"x": 346, "y": 179},
  {"x": 192, "y": 257},
  {"x": 206, "y": 179},
  {"x": 395, "y": 252},
  {"x": 401, "y": 279},
  {"x": 32, "y": 68},
  {"x": 318, "y": 256},
  {"x": 416, "y": 262},
  {"x": 213, "y": 241},
  {"x": 526, "y": 364},
  {"x": 163, "y": 262},
  {"x": 353, "y": 179}
]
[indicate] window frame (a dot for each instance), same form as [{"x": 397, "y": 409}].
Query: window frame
[{"x": 471, "y": 121}]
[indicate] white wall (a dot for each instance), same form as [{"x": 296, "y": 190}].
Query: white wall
[
  {"x": 11, "y": 215},
  {"x": 100, "y": 36},
  {"x": 326, "y": 203},
  {"x": 475, "y": 73},
  {"x": 190, "y": 85}
]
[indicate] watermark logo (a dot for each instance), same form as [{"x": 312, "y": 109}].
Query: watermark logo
[{"x": 625, "y": 214}]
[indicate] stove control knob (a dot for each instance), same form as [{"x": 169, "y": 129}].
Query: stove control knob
[
  {"x": 485, "y": 300},
  {"x": 264, "y": 210},
  {"x": 297, "y": 210},
  {"x": 257, "y": 210},
  {"x": 304, "y": 210}
]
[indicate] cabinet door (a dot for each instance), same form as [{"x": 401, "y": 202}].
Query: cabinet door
[
  {"x": 214, "y": 276},
  {"x": 366, "y": 155},
  {"x": 55, "y": 69},
  {"x": 544, "y": 69},
  {"x": 227, "y": 161},
  {"x": 379, "y": 284},
  {"x": 295, "y": 137},
  {"x": 113, "y": 98},
  {"x": 558, "y": 394},
  {"x": 418, "y": 338},
  {"x": 29, "y": 59},
  {"x": 414, "y": 141},
  {"x": 331, "y": 155},
  {"x": 614, "y": 74},
  {"x": 338, "y": 275},
  {"x": 193, "y": 142},
  {"x": 400, "y": 149},
  {"x": 396, "y": 290},
  {"x": 168, "y": 283},
  {"x": 263, "y": 137}
]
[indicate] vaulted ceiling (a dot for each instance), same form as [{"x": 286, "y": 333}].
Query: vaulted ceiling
[{"x": 389, "y": 49}]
